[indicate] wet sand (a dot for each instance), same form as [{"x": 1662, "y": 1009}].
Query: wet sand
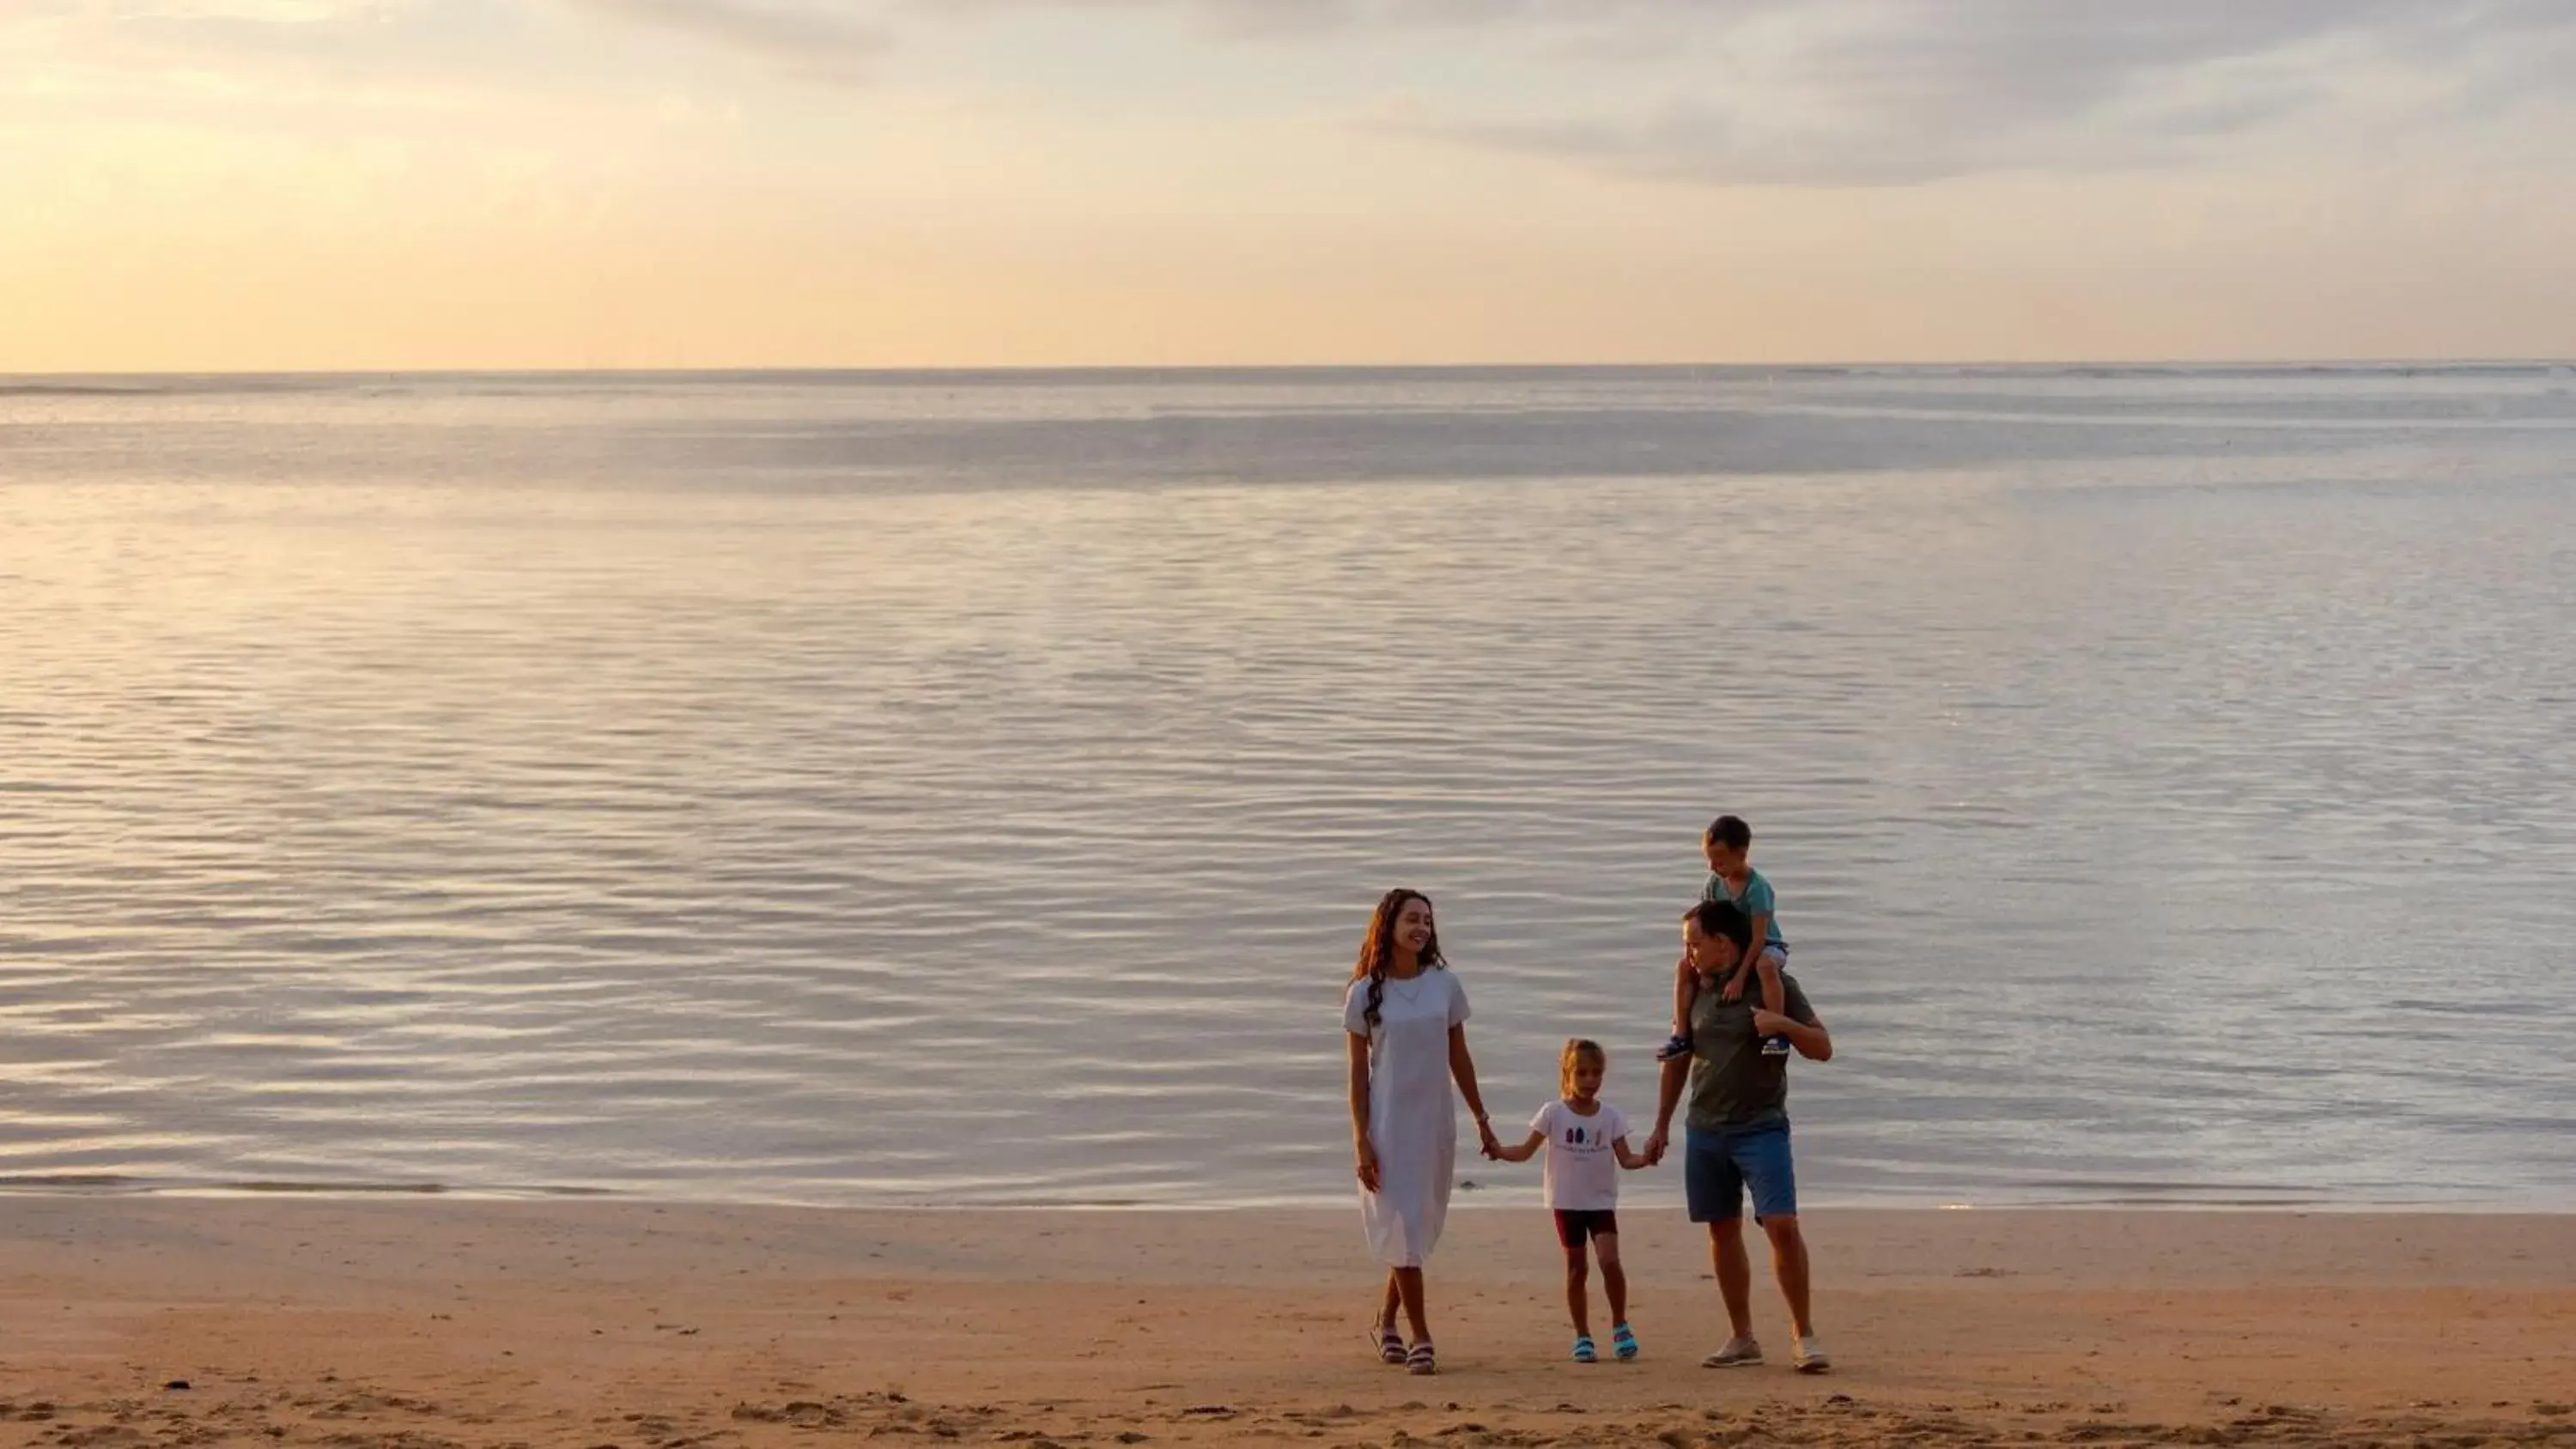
[{"x": 427, "y": 1324}]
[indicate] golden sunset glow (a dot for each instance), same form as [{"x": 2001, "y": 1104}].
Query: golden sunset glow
[{"x": 312, "y": 184}]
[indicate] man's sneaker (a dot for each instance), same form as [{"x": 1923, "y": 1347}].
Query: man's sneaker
[
  {"x": 1675, "y": 1046},
  {"x": 1810, "y": 1357},
  {"x": 1738, "y": 1353}
]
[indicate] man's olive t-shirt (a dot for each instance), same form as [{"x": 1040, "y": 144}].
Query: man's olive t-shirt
[{"x": 1732, "y": 1084}]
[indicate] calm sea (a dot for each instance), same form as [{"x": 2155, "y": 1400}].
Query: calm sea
[{"x": 895, "y": 789}]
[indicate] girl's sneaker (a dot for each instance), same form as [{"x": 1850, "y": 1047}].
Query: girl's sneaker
[
  {"x": 1584, "y": 1352},
  {"x": 1623, "y": 1342},
  {"x": 1675, "y": 1046}
]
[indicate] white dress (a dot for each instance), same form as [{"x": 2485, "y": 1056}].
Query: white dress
[{"x": 1413, "y": 1123}]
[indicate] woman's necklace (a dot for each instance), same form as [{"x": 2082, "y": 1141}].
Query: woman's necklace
[{"x": 1406, "y": 989}]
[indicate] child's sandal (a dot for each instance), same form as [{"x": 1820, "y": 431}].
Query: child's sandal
[
  {"x": 1623, "y": 1342},
  {"x": 1390, "y": 1344},
  {"x": 1584, "y": 1352},
  {"x": 1421, "y": 1361}
]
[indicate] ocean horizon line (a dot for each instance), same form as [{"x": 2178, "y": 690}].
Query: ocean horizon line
[{"x": 106, "y": 381}]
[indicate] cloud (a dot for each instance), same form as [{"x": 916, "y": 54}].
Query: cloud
[
  {"x": 96, "y": 16},
  {"x": 1893, "y": 92},
  {"x": 1695, "y": 142},
  {"x": 808, "y": 41},
  {"x": 1307, "y": 19},
  {"x": 1899, "y": 92},
  {"x": 153, "y": 57},
  {"x": 1837, "y": 93},
  {"x": 266, "y": 12}
]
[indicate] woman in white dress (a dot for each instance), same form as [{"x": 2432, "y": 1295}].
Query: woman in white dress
[{"x": 1405, "y": 1016}]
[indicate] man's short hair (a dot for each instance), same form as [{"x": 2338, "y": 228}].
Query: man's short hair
[
  {"x": 1731, "y": 832},
  {"x": 1722, "y": 918}
]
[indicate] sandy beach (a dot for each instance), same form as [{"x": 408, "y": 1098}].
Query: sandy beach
[{"x": 422, "y": 1324}]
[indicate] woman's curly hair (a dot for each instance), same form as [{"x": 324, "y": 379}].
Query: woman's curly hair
[{"x": 1377, "y": 948}]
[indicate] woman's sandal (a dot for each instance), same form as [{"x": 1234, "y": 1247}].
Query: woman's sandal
[
  {"x": 1390, "y": 1344},
  {"x": 1420, "y": 1361},
  {"x": 1584, "y": 1352},
  {"x": 1623, "y": 1342}
]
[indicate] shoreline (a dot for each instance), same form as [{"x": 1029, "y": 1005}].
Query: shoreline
[
  {"x": 1518, "y": 1197},
  {"x": 411, "y": 1323}
]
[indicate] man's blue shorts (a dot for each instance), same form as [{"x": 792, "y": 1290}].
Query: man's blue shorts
[{"x": 1718, "y": 1166}]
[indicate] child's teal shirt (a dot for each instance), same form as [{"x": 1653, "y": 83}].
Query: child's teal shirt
[{"x": 1757, "y": 900}]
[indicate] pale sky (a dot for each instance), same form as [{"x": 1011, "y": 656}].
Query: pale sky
[{"x": 290, "y": 184}]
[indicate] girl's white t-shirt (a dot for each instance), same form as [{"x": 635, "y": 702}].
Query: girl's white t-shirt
[{"x": 1581, "y": 1173}]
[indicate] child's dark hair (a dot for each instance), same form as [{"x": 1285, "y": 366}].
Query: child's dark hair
[
  {"x": 1731, "y": 832},
  {"x": 1722, "y": 918},
  {"x": 1568, "y": 1062}
]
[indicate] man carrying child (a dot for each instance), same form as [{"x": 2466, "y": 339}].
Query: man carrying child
[{"x": 1738, "y": 1127}]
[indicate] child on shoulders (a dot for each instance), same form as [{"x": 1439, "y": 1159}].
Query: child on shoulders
[{"x": 1728, "y": 847}]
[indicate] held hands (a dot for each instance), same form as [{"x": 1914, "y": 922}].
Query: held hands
[
  {"x": 1654, "y": 1149},
  {"x": 1366, "y": 1168}
]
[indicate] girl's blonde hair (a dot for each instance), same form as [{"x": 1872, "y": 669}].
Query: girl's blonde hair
[{"x": 1577, "y": 1051}]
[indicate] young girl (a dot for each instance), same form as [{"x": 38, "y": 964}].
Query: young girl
[{"x": 1587, "y": 1143}]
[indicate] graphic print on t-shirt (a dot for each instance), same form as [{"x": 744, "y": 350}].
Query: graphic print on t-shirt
[{"x": 1581, "y": 1173}]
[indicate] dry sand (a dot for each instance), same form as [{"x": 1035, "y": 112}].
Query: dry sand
[{"x": 425, "y": 1324}]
